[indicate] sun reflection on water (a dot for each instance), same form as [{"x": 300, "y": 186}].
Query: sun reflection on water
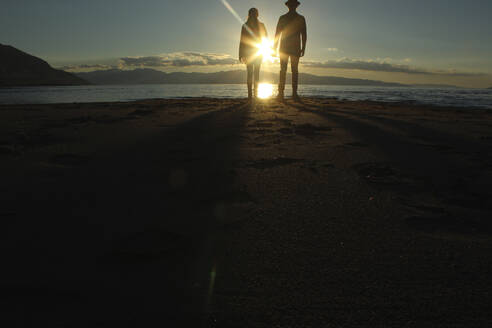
[{"x": 265, "y": 90}]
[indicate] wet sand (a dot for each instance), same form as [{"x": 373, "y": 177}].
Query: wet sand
[{"x": 218, "y": 213}]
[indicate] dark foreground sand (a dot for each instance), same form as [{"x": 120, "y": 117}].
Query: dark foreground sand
[{"x": 216, "y": 213}]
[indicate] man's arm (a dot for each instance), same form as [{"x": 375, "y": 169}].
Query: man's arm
[
  {"x": 304, "y": 37},
  {"x": 278, "y": 32}
]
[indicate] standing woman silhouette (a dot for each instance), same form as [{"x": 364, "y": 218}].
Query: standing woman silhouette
[{"x": 252, "y": 33}]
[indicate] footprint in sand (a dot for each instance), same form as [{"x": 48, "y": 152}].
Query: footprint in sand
[
  {"x": 386, "y": 175},
  {"x": 261, "y": 125},
  {"x": 317, "y": 166},
  {"x": 437, "y": 147},
  {"x": 39, "y": 138},
  {"x": 309, "y": 130},
  {"x": 141, "y": 112},
  {"x": 374, "y": 170},
  {"x": 449, "y": 225},
  {"x": 357, "y": 144},
  {"x": 263, "y": 164},
  {"x": 81, "y": 120},
  {"x": 68, "y": 159}
]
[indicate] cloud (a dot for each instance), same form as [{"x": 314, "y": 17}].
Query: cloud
[
  {"x": 179, "y": 59},
  {"x": 365, "y": 65},
  {"x": 383, "y": 65},
  {"x": 332, "y": 49},
  {"x": 202, "y": 59},
  {"x": 86, "y": 67}
]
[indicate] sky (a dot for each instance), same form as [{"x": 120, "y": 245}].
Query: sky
[{"x": 418, "y": 41}]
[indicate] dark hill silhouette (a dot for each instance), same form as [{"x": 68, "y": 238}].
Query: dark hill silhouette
[
  {"x": 151, "y": 76},
  {"x": 18, "y": 68}
]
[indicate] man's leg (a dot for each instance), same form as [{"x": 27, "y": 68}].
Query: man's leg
[
  {"x": 249, "y": 68},
  {"x": 284, "y": 61},
  {"x": 294, "y": 62}
]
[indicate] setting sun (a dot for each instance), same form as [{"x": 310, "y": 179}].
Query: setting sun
[{"x": 265, "y": 49}]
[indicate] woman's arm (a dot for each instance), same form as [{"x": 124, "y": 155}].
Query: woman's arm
[
  {"x": 264, "y": 33},
  {"x": 241, "y": 44}
]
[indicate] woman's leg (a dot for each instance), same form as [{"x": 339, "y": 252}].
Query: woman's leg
[
  {"x": 250, "y": 70},
  {"x": 257, "y": 76}
]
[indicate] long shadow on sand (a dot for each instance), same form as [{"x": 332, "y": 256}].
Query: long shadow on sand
[
  {"x": 396, "y": 148},
  {"x": 129, "y": 241},
  {"x": 412, "y": 168}
]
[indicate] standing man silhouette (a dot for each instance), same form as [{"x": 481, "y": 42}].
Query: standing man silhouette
[{"x": 292, "y": 35}]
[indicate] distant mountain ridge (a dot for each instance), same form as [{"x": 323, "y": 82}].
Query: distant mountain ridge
[
  {"x": 151, "y": 76},
  {"x": 18, "y": 68}
]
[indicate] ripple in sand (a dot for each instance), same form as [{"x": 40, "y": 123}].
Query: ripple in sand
[
  {"x": 69, "y": 159},
  {"x": 309, "y": 130},
  {"x": 357, "y": 144},
  {"x": 376, "y": 172},
  {"x": 262, "y": 164},
  {"x": 141, "y": 112},
  {"x": 449, "y": 224}
]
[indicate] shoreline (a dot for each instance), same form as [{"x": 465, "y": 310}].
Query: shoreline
[
  {"x": 469, "y": 98},
  {"x": 407, "y": 104}
]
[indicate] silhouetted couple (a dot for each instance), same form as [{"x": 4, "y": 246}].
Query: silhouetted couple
[{"x": 290, "y": 43}]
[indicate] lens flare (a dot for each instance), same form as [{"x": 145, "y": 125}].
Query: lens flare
[
  {"x": 236, "y": 15},
  {"x": 265, "y": 49},
  {"x": 232, "y": 11}
]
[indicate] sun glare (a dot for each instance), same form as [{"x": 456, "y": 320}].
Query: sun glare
[
  {"x": 265, "y": 90},
  {"x": 265, "y": 49}
]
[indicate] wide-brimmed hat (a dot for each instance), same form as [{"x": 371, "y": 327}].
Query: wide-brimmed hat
[{"x": 292, "y": 2}]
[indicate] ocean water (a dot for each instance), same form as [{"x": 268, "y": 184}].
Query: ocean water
[{"x": 472, "y": 98}]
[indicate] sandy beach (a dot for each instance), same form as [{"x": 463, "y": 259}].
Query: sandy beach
[{"x": 220, "y": 213}]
